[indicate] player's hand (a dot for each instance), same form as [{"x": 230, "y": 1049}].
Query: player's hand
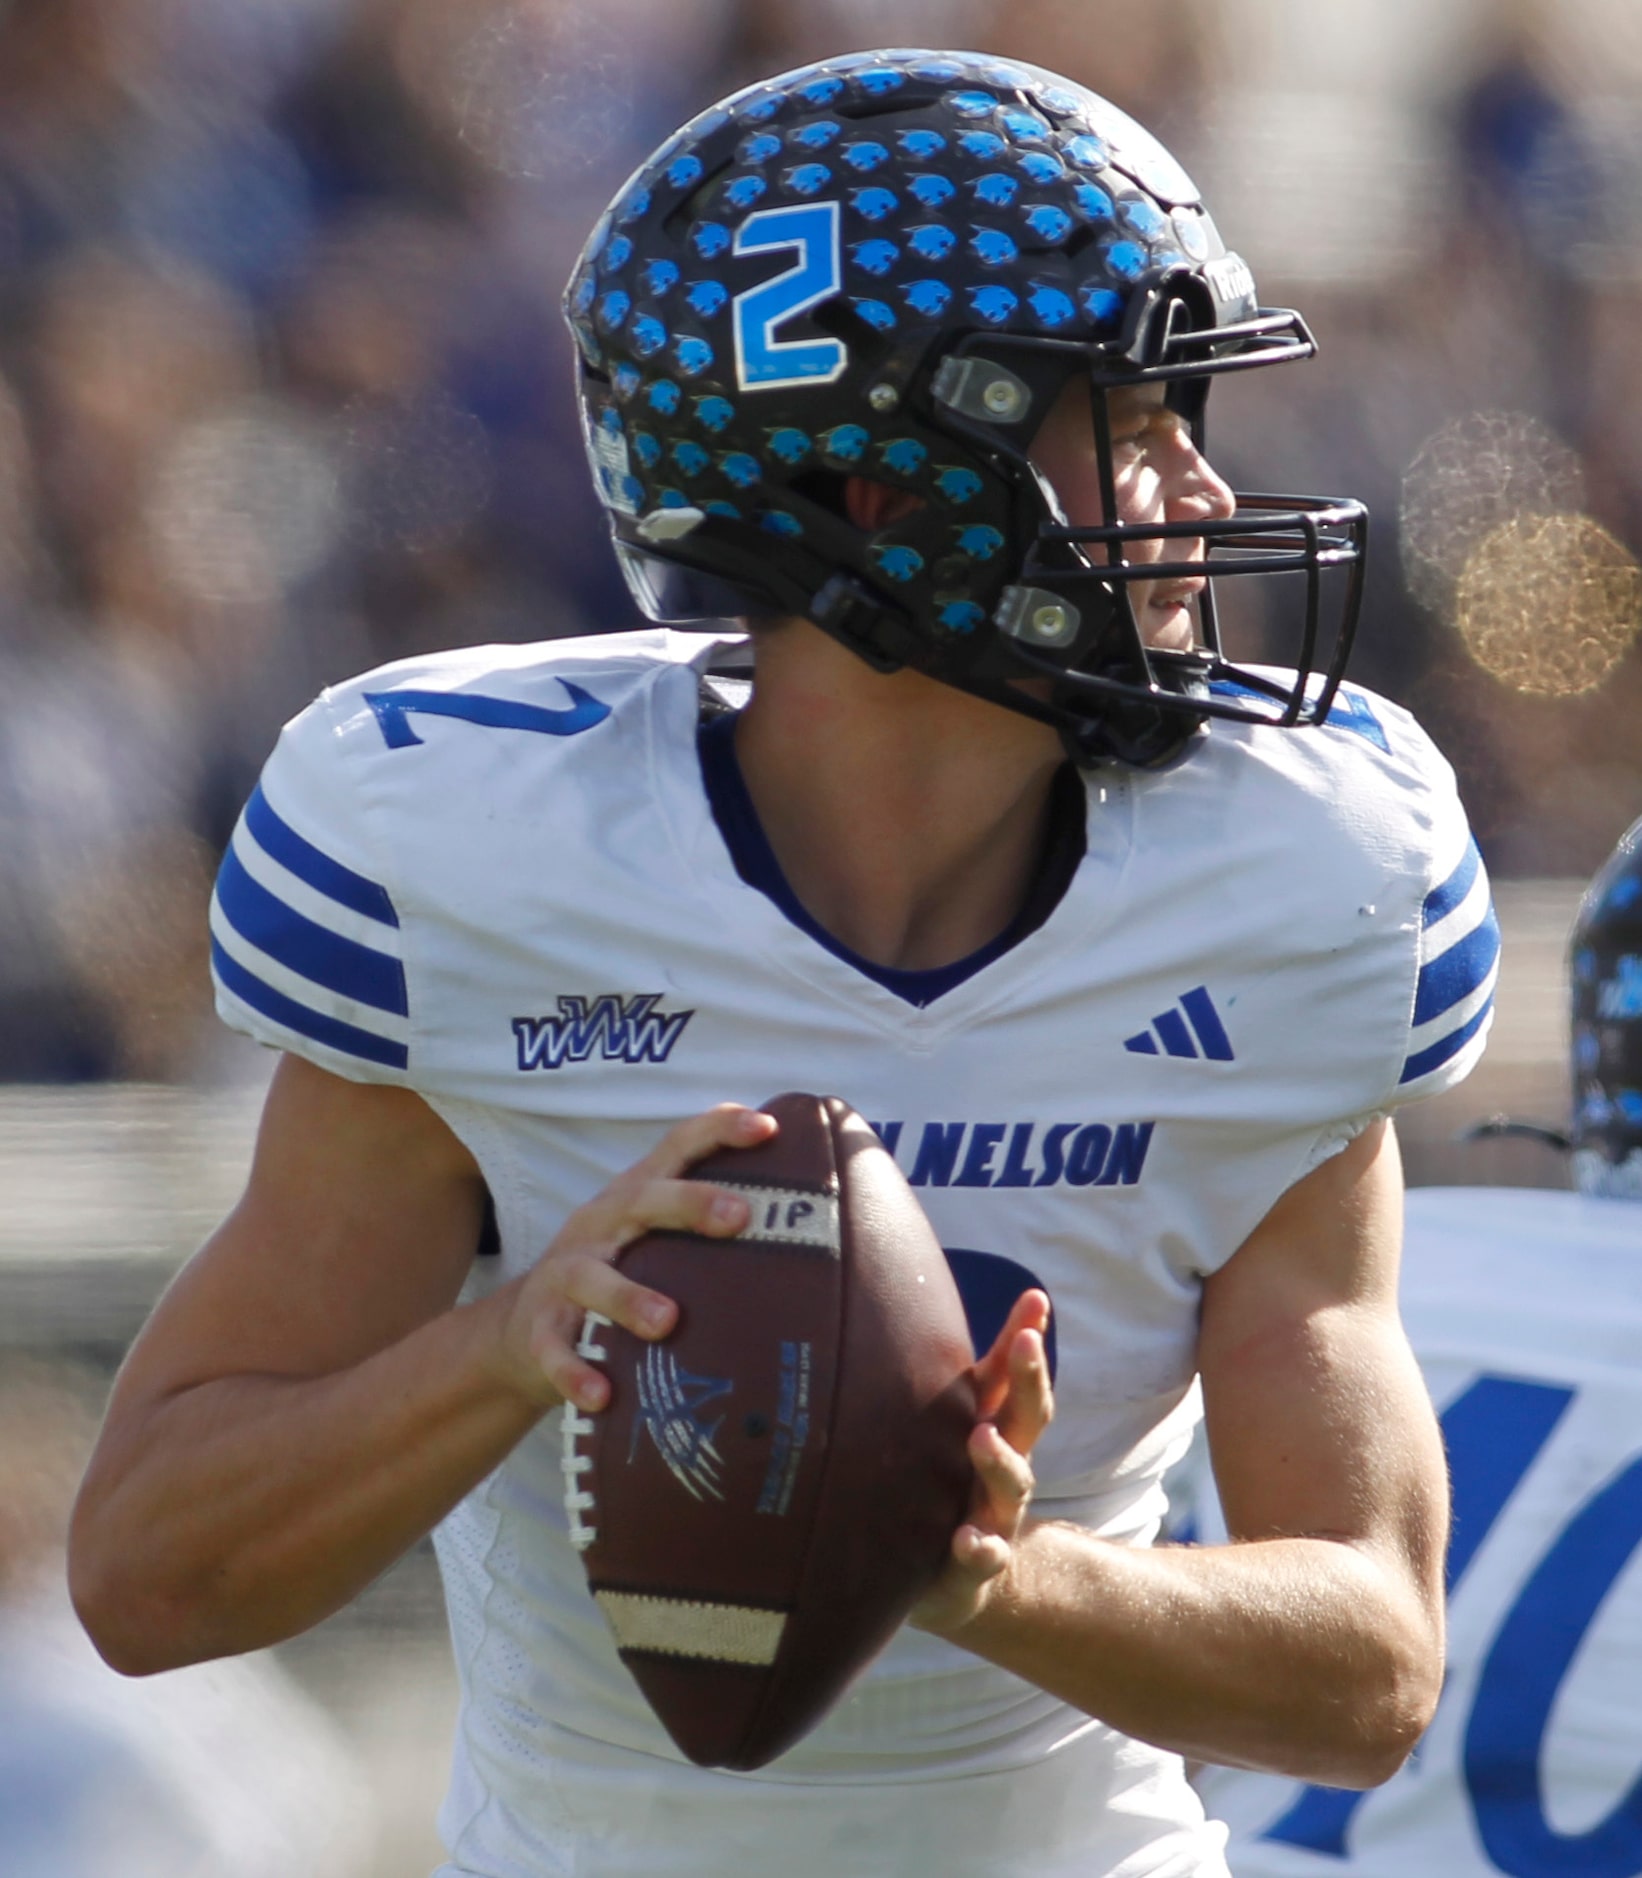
[
  {"x": 577, "y": 1272},
  {"x": 1014, "y": 1404}
]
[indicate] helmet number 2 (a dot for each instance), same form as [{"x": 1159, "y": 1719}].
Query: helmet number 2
[{"x": 763, "y": 362}]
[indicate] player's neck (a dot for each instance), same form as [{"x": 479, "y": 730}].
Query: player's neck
[{"x": 908, "y": 818}]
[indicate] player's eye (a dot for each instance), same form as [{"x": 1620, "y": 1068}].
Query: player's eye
[{"x": 1154, "y": 428}]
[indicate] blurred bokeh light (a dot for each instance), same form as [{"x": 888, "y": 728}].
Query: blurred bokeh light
[
  {"x": 1548, "y": 604},
  {"x": 244, "y": 503},
  {"x": 1478, "y": 474}
]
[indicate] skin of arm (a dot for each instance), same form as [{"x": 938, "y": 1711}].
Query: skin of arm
[
  {"x": 308, "y": 1399},
  {"x": 1311, "y": 1645}
]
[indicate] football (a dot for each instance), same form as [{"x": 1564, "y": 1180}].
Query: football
[{"x": 771, "y": 1487}]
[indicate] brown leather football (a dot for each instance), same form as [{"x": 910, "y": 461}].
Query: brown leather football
[{"x": 772, "y": 1486}]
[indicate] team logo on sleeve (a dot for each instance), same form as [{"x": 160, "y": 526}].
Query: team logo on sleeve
[{"x": 618, "y": 1029}]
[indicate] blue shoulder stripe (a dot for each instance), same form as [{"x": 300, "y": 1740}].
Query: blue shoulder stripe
[
  {"x": 1456, "y": 973},
  {"x": 1438, "y": 1053},
  {"x": 277, "y": 838},
  {"x": 307, "y": 948},
  {"x": 347, "y": 1038},
  {"x": 1442, "y": 900}
]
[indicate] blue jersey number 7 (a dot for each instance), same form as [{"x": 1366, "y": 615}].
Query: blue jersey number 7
[{"x": 394, "y": 709}]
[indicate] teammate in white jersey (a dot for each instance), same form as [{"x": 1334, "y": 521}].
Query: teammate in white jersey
[
  {"x": 1525, "y": 1312},
  {"x": 1127, "y": 947}
]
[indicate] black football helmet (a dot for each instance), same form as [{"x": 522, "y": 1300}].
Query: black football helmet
[
  {"x": 1605, "y": 972},
  {"x": 889, "y": 265}
]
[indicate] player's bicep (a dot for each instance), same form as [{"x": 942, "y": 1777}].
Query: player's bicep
[
  {"x": 1318, "y": 1420},
  {"x": 359, "y": 1221}
]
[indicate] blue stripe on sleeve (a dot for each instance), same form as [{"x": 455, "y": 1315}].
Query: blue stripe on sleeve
[
  {"x": 302, "y": 946},
  {"x": 1438, "y": 1053},
  {"x": 1442, "y": 900},
  {"x": 1456, "y": 973},
  {"x": 347, "y": 1038},
  {"x": 302, "y": 858}
]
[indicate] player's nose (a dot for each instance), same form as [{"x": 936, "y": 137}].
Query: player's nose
[{"x": 1196, "y": 491}]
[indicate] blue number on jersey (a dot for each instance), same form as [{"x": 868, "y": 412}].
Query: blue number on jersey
[
  {"x": 763, "y": 362},
  {"x": 393, "y": 708},
  {"x": 1520, "y": 1678}
]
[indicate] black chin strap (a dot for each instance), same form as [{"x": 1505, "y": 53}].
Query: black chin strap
[{"x": 1126, "y": 728}]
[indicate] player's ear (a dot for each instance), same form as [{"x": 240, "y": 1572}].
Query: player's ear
[{"x": 872, "y": 506}]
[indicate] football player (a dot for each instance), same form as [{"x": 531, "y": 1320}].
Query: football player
[
  {"x": 1126, "y": 945},
  {"x": 1525, "y": 1314}
]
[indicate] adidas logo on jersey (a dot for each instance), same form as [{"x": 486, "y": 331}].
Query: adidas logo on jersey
[
  {"x": 621, "y": 1030},
  {"x": 1190, "y": 1027}
]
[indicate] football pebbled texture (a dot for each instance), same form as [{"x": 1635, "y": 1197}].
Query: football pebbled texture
[{"x": 772, "y": 1486}]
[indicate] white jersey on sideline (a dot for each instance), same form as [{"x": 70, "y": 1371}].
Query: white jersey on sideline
[
  {"x": 494, "y": 877},
  {"x": 1525, "y": 1310}
]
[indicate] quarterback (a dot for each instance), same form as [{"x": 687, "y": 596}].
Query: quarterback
[
  {"x": 1128, "y": 948},
  {"x": 1524, "y": 1310}
]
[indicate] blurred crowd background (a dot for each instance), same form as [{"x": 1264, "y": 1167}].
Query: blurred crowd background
[{"x": 284, "y": 393}]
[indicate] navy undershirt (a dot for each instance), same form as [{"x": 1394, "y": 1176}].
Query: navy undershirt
[{"x": 755, "y": 862}]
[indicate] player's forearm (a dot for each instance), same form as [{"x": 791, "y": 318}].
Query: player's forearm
[
  {"x": 1305, "y": 1657},
  {"x": 245, "y": 1509}
]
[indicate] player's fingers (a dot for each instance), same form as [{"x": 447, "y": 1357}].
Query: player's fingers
[
  {"x": 651, "y": 1193},
  {"x": 729, "y": 1125},
  {"x": 993, "y": 1375},
  {"x": 1028, "y": 1406},
  {"x": 975, "y": 1559},
  {"x": 981, "y": 1556},
  {"x": 573, "y": 1379},
  {"x": 638, "y": 1203},
  {"x": 563, "y": 1318},
  {"x": 667, "y": 1205},
  {"x": 1004, "y": 1481},
  {"x": 580, "y": 1274},
  {"x": 588, "y": 1282}
]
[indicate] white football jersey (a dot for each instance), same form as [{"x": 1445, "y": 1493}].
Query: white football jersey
[
  {"x": 1525, "y": 1310},
  {"x": 494, "y": 876}
]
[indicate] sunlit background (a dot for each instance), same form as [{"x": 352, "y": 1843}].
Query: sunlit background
[{"x": 284, "y": 393}]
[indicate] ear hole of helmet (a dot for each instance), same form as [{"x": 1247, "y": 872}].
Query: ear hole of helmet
[
  {"x": 830, "y": 490},
  {"x": 823, "y": 487}
]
